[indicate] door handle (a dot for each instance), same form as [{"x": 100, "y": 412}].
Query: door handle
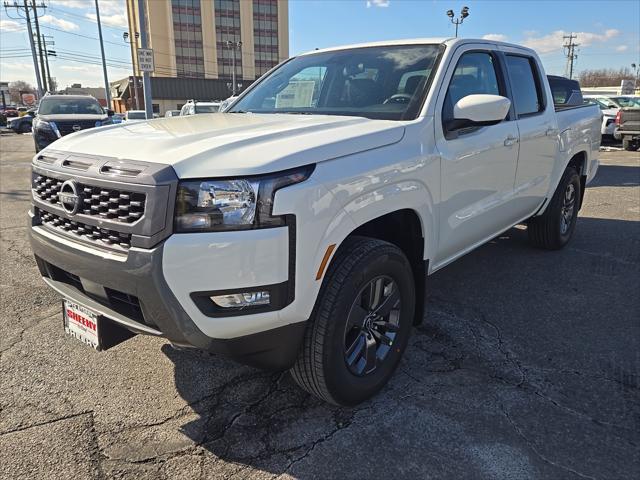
[{"x": 509, "y": 141}]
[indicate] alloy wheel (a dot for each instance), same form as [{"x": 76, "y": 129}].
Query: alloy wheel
[{"x": 372, "y": 325}]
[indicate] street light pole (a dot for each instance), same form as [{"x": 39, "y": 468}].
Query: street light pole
[
  {"x": 146, "y": 80},
  {"x": 107, "y": 89},
  {"x": 464, "y": 13},
  {"x": 233, "y": 46}
]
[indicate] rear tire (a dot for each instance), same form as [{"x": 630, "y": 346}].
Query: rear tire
[
  {"x": 344, "y": 358},
  {"x": 629, "y": 145},
  {"x": 553, "y": 229}
]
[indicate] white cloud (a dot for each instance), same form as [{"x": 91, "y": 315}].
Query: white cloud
[
  {"x": 112, "y": 7},
  {"x": 11, "y": 26},
  {"x": 107, "y": 7},
  {"x": 71, "y": 3},
  {"x": 554, "y": 41},
  {"x": 17, "y": 66},
  {"x": 58, "y": 22},
  {"x": 496, "y": 37},
  {"x": 118, "y": 20},
  {"x": 621, "y": 48},
  {"x": 378, "y": 3},
  {"x": 77, "y": 68}
]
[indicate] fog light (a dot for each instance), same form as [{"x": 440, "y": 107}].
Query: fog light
[{"x": 241, "y": 300}]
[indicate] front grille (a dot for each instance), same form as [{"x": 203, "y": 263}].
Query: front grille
[
  {"x": 67, "y": 126},
  {"x": 116, "y": 205},
  {"x": 106, "y": 237}
]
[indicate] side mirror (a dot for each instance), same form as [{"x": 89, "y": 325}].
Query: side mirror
[
  {"x": 479, "y": 110},
  {"x": 110, "y": 112}
]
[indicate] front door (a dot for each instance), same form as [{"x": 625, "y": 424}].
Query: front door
[{"x": 478, "y": 165}]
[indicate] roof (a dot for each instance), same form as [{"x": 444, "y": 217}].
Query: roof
[
  {"x": 416, "y": 41},
  {"x": 67, "y": 96},
  {"x": 171, "y": 88},
  {"x": 179, "y": 88}
]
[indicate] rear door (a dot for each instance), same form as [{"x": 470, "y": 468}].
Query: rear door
[
  {"x": 537, "y": 126},
  {"x": 478, "y": 165}
]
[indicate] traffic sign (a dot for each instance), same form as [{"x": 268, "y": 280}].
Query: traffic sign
[{"x": 145, "y": 60}]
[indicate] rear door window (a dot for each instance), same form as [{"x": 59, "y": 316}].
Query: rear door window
[{"x": 525, "y": 85}]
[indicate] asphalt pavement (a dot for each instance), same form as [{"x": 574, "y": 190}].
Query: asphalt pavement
[{"x": 527, "y": 366}]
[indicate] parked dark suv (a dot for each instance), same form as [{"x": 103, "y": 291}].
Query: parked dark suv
[{"x": 59, "y": 115}]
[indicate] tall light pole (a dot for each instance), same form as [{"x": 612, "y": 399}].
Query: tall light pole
[
  {"x": 464, "y": 13},
  {"x": 146, "y": 80},
  {"x": 233, "y": 46},
  {"x": 135, "y": 98},
  {"x": 107, "y": 89}
]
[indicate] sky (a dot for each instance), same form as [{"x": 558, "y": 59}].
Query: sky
[{"x": 608, "y": 31}]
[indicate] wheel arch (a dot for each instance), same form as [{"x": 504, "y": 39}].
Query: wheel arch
[
  {"x": 403, "y": 228},
  {"x": 579, "y": 162}
]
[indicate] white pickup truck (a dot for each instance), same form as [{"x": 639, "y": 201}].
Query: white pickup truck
[{"x": 295, "y": 231}]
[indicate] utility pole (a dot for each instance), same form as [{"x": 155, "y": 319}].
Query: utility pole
[
  {"x": 570, "y": 49},
  {"x": 25, "y": 8},
  {"x": 46, "y": 57},
  {"x": 234, "y": 46},
  {"x": 146, "y": 80},
  {"x": 35, "y": 19},
  {"x": 107, "y": 89}
]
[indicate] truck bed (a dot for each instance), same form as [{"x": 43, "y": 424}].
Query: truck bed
[{"x": 579, "y": 118}]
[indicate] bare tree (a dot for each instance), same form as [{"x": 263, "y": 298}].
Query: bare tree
[
  {"x": 17, "y": 88},
  {"x": 604, "y": 77}
]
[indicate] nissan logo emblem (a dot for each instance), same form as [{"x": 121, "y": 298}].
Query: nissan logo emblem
[
  {"x": 76, "y": 128},
  {"x": 69, "y": 197}
]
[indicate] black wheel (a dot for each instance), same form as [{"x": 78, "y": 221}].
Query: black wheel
[
  {"x": 360, "y": 325},
  {"x": 554, "y": 228},
  {"x": 629, "y": 145}
]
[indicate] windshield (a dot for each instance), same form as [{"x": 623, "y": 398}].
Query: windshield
[
  {"x": 136, "y": 115},
  {"x": 387, "y": 82},
  {"x": 627, "y": 101},
  {"x": 207, "y": 108},
  {"x": 70, "y": 106}
]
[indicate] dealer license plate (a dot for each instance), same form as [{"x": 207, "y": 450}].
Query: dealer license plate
[{"x": 81, "y": 323}]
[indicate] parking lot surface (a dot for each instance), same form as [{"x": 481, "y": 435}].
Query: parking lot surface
[{"x": 527, "y": 365}]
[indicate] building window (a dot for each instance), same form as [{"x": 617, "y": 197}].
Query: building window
[
  {"x": 265, "y": 35},
  {"x": 187, "y": 29},
  {"x": 227, "y": 13}
]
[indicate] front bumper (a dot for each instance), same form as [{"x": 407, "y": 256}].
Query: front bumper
[{"x": 133, "y": 292}]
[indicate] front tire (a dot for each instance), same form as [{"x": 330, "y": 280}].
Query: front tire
[
  {"x": 553, "y": 229},
  {"x": 360, "y": 325}
]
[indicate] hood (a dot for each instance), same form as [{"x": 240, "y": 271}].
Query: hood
[
  {"x": 222, "y": 144},
  {"x": 610, "y": 112},
  {"x": 71, "y": 118}
]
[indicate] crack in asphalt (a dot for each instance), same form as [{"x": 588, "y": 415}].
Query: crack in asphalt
[
  {"x": 538, "y": 453},
  {"x": 48, "y": 422},
  {"x": 21, "y": 333},
  {"x": 338, "y": 427}
]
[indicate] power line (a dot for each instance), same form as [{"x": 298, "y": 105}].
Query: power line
[{"x": 81, "y": 35}]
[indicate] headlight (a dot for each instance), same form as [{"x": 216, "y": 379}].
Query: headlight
[
  {"x": 44, "y": 125},
  {"x": 236, "y": 204}
]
